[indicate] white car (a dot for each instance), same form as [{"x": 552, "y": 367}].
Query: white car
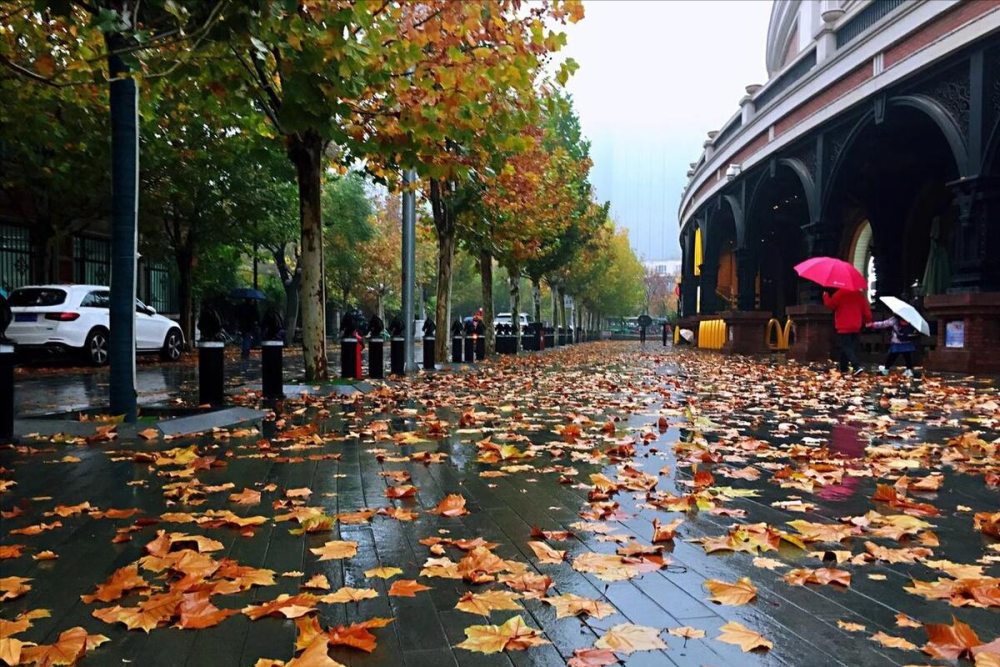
[
  {"x": 74, "y": 318},
  {"x": 505, "y": 318}
]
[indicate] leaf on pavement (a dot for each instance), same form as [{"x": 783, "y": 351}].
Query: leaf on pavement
[
  {"x": 744, "y": 637},
  {"x": 740, "y": 593},
  {"x": 547, "y": 554},
  {"x": 686, "y": 632},
  {"x": 592, "y": 657},
  {"x": 576, "y": 605},
  {"x": 513, "y": 635},
  {"x": 890, "y": 641},
  {"x": 629, "y": 638},
  {"x": 950, "y": 642},
  {"x": 383, "y": 572},
  {"x": 488, "y": 601},
  {"x": 452, "y": 506},
  {"x": 406, "y": 588},
  {"x": 336, "y": 549}
]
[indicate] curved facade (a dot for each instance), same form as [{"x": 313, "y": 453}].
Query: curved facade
[{"x": 875, "y": 139}]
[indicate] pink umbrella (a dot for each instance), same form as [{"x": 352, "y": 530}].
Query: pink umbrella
[{"x": 832, "y": 272}]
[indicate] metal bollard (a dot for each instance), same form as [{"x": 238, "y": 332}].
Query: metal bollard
[
  {"x": 397, "y": 353},
  {"x": 350, "y": 358},
  {"x": 470, "y": 349},
  {"x": 429, "y": 353},
  {"x": 376, "y": 357},
  {"x": 271, "y": 368},
  {"x": 6, "y": 392},
  {"x": 457, "y": 341},
  {"x": 211, "y": 372},
  {"x": 480, "y": 347}
]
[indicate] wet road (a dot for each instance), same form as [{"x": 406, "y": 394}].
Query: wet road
[{"x": 597, "y": 440}]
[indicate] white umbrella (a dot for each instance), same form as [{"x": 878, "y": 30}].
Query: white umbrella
[
  {"x": 908, "y": 313},
  {"x": 687, "y": 335}
]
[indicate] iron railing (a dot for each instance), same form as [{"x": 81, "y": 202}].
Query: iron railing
[
  {"x": 785, "y": 80},
  {"x": 16, "y": 257},
  {"x": 865, "y": 19}
]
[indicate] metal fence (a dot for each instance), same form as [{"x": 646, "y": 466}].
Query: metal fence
[
  {"x": 16, "y": 257},
  {"x": 785, "y": 80},
  {"x": 865, "y": 19},
  {"x": 91, "y": 261},
  {"x": 161, "y": 288}
]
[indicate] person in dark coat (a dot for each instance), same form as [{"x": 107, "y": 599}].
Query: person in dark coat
[{"x": 247, "y": 319}]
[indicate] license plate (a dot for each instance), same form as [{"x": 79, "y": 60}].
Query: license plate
[{"x": 25, "y": 317}]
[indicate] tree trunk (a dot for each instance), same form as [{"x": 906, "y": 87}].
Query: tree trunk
[
  {"x": 185, "y": 295},
  {"x": 124, "y": 98},
  {"x": 444, "y": 223},
  {"x": 562, "y": 311},
  {"x": 442, "y": 311},
  {"x": 486, "y": 278},
  {"x": 380, "y": 305},
  {"x": 536, "y": 299},
  {"x": 306, "y": 152},
  {"x": 514, "y": 280},
  {"x": 292, "y": 307},
  {"x": 554, "y": 292}
]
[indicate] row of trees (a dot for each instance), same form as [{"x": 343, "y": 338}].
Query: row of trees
[{"x": 251, "y": 110}]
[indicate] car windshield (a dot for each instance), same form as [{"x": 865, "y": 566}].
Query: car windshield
[{"x": 36, "y": 296}]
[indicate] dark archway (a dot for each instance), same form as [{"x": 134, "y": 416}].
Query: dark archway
[
  {"x": 889, "y": 190},
  {"x": 719, "y": 282},
  {"x": 776, "y": 214}
]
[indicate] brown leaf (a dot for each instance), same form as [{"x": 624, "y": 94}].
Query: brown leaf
[
  {"x": 13, "y": 587},
  {"x": 336, "y": 549},
  {"x": 123, "y": 580},
  {"x": 197, "y": 611},
  {"x": 569, "y": 604},
  {"x": 67, "y": 650},
  {"x": 488, "y": 601},
  {"x": 452, "y": 506},
  {"x": 950, "y": 642},
  {"x": 547, "y": 554},
  {"x": 890, "y": 641},
  {"x": 629, "y": 638},
  {"x": 406, "y": 588},
  {"x": 246, "y": 497},
  {"x": 513, "y": 635},
  {"x": 740, "y": 593},
  {"x": 744, "y": 637},
  {"x": 665, "y": 532}
]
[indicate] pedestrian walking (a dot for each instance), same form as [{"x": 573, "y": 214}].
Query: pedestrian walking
[
  {"x": 850, "y": 313},
  {"x": 247, "y": 320},
  {"x": 902, "y": 342}
]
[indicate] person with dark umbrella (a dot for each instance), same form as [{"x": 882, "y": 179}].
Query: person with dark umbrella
[{"x": 247, "y": 319}]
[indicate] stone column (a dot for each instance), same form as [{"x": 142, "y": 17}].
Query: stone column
[
  {"x": 746, "y": 272},
  {"x": 968, "y": 316},
  {"x": 813, "y": 322}
]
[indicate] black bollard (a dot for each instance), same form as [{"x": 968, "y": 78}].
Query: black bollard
[
  {"x": 397, "y": 353},
  {"x": 6, "y": 391},
  {"x": 271, "y": 368},
  {"x": 550, "y": 337},
  {"x": 429, "y": 342},
  {"x": 480, "y": 340},
  {"x": 349, "y": 357},
  {"x": 500, "y": 331},
  {"x": 376, "y": 357},
  {"x": 376, "y": 347},
  {"x": 211, "y": 372},
  {"x": 397, "y": 347},
  {"x": 456, "y": 342}
]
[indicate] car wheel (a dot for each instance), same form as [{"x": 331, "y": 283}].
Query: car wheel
[
  {"x": 172, "y": 345},
  {"x": 95, "y": 350}
]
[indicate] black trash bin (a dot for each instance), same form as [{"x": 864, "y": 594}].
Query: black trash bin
[{"x": 470, "y": 341}]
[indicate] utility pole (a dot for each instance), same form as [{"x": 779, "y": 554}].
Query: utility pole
[{"x": 409, "y": 262}]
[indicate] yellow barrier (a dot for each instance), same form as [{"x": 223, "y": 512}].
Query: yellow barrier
[
  {"x": 711, "y": 334},
  {"x": 782, "y": 335},
  {"x": 677, "y": 334}
]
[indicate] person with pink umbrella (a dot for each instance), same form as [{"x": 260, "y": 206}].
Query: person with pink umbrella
[{"x": 851, "y": 311}]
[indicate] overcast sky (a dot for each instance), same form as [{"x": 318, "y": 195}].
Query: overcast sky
[{"x": 655, "y": 76}]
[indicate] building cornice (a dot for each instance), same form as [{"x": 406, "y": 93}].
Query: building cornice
[{"x": 860, "y": 52}]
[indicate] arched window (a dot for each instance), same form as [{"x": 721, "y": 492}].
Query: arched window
[{"x": 862, "y": 257}]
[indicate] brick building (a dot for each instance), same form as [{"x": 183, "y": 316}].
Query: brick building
[{"x": 874, "y": 140}]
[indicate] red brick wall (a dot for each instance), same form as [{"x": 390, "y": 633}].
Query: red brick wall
[
  {"x": 838, "y": 89},
  {"x": 960, "y": 15}
]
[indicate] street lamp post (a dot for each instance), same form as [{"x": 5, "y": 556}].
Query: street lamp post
[{"x": 409, "y": 261}]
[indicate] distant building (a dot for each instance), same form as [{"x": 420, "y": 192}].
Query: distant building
[
  {"x": 663, "y": 267},
  {"x": 875, "y": 139}
]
